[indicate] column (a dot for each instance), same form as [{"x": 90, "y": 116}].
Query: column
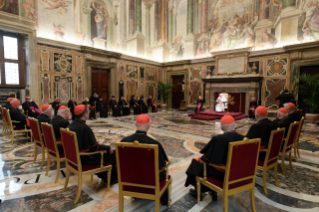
[
  {"x": 166, "y": 17},
  {"x": 88, "y": 13},
  {"x": 162, "y": 17},
  {"x": 157, "y": 20},
  {"x": 204, "y": 12},
  {"x": 190, "y": 28},
  {"x": 170, "y": 26},
  {"x": 123, "y": 26},
  {"x": 138, "y": 20},
  {"x": 131, "y": 17},
  {"x": 189, "y": 44},
  {"x": 148, "y": 7}
]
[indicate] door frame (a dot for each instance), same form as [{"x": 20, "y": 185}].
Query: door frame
[
  {"x": 170, "y": 74},
  {"x": 102, "y": 65}
]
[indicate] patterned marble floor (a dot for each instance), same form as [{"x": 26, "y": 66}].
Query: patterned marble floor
[{"x": 24, "y": 186}]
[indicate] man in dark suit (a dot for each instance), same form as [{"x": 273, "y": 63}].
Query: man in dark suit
[
  {"x": 71, "y": 104},
  {"x": 56, "y": 104},
  {"x": 285, "y": 97},
  {"x": 262, "y": 129},
  {"x": 293, "y": 116}
]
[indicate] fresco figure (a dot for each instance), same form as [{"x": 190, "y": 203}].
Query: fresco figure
[
  {"x": 100, "y": 20},
  {"x": 312, "y": 21}
]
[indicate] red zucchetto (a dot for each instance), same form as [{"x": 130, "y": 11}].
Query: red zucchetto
[
  {"x": 79, "y": 109},
  {"x": 143, "y": 119},
  {"x": 62, "y": 107},
  {"x": 227, "y": 119},
  {"x": 283, "y": 110},
  {"x": 261, "y": 110},
  {"x": 15, "y": 102},
  {"x": 290, "y": 106},
  {"x": 10, "y": 99},
  {"x": 45, "y": 107}
]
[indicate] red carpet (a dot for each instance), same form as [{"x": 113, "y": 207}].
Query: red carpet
[{"x": 212, "y": 115}]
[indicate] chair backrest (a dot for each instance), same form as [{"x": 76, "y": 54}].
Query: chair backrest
[
  {"x": 274, "y": 146},
  {"x": 144, "y": 171},
  {"x": 71, "y": 148},
  {"x": 5, "y": 115},
  {"x": 299, "y": 111},
  {"x": 1, "y": 112},
  {"x": 302, "y": 120},
  {"x": 292, "y": 133},
  {"x": 8, "y": 118},
  {"x": 35, "y": 128},
  {"x": 241, "y": 164},
  {"x": 49, "y": 137}
]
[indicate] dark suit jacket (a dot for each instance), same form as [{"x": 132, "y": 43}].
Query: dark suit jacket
[
  {"x": 71, "y": 105},
  {"x": 284, "y": 98},
  {"x": 292, "y": 117}
]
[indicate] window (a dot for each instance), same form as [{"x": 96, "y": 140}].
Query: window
[{"x": 12, "y": 70}]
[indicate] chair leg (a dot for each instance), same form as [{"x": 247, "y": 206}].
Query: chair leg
[
  {"x": 225, "y": 202},
  {"x": 298, "y": 149},
  {"x": 252, "y": 199},
  {"x": 48, "y": 164},
  {"x": 169, "y": 195},
  {"x": 57, "y": 171},
  {"x": 35, "y": 154},
  {"x": 43, "y": 158},
  {"x": 12, "y": 138},
  {"x": 276, "y": 176},
  {"x": 198, "y": 192},
  {"x": 109, "y": 179},
  {"x": 79, "y": 189},
  {"x": 91, "y": 177},
  {"x": 290, "y": 160},
  {"x": 283, "y": 164},
  {"x": 121, "y": 202},
  {"x": 264, "y": 181},
  {"x": 157, "y": 205},
  {"x": 66, "y": 179},
  {"x": 132, "y": 199},
  {"x": 295, "y": 152}
]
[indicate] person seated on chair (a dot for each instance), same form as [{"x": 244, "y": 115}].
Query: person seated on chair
[
  {"x": 281, "y": 121},
  {"x": 262, "y": 129},
  {"x": 92, "y": 110},
  {"x": 87, "y": 143},
  {"x": 60, "y": 121},
  {"x": 252, "y": 107},
  {"x": 135, "y": 106},
  {"x": 215, "y": 152},
  {"x": 30, "y": 108},
  {"x": 125, "y": 107},
  {"x": 150, "y": 103},
  {"x": 100, "y": 107},
  {"x": 115, "y": 107},
  {"x": 199, "y": 105},
  {"x": 56, "y": 104},
  {"x": 16, "y": 115},
  {"x": 7, "y": 105},
  {"x": 144, "y": 107},
  {"x": 142, "y": 126},
  {"x": 93, "y": 100},
  {"x": 293, "y": 116},
  {"x": 45, "y": 116},
  {"x": 71, "y": 104}
]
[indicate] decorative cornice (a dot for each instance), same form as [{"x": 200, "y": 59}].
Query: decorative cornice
[
  {"x": 265, "y": 52},
  {"x": 179, "y": 62},
  {"x": 301, "y": 46},
  {"x": 55, "y": 44},
  {"x": 91, "y": 50},
  {"x": 233, "y": 51},
  {"x": 233, "y": 79},
  {"x": 15, "y": 20}
]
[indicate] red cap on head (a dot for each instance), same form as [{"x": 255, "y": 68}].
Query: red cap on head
[
  {"x": 79, "y": 109},
  {"x": 227, "y": 119},
  {"x": 45, "y": 107},
  {"x": 16, "y": 102},
  {"x": 291, "y": 105},
  {"x": 10, "y": 99},
  {"x": 143, "y": 119},
  {"x": 261, "y": 110},
  {"x": 283, "y": 110},
  {"x": 62, "y": 107}
]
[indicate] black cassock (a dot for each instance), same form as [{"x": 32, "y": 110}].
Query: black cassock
[
  {"x": 201, "y": 102},
  {"x": 26, "y": 107},
  {"x": 262, "y": 129},
  {"x": 7, "y": 105},
  {"x": 251, "y": 113},
  {"x": 143, "y": 106},
  {"x": 57, "y": 123},
  {"x": 100, "y": 106},
  {"x": 88, "y": 143},
  {"x": 142, "y": 138},
  {"x": 282, "y": 123},
  {"x": 93, "y": 100},
  {"x": 72, "y": 105},
  {"x": 150, "y": 103},
  {"x": 135, "y": 106},
  {"x": 42, "y": 118},
  {"x": 56, "y": 106},
  {"x": 292, "y": 117},
  {"x": 112, "y": 104},
  {"x": 92, "y": 111},
  {"x": 215, "y": 152},
  {"x": 284, "y": 98},
  {"x": 16, "y": 115},
  {"x": 125, "y": 107}
]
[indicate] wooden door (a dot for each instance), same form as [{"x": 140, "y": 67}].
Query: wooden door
[
  {"x": 178, "y": 93},
  {"x": 101, "y": 83}
]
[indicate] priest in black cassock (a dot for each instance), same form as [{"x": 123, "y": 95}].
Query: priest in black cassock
[
  {"x": 125, "y": 107},
  {"x": 262, "y": 129},
  {"x": 45, "y": 116},
  {"x": 60, "y": 121},
  {"x": 115, "y": 107},
  {"x": 150, "y": 103},
  {"x": 71, "y": 104},
  {"x": 135, "y": 106},
  {"x": 199, "y": 104},
  {"x": 142, "y": 126},
  {"x": 56, "y": 104},
  {"x": 92, "y": 109},
  {"x": 293, "y": 116},
  {"x": 281, "y": 121},
  {"x": 30, "y": 108},
  {"x": 252, "y": 107},
  {"x": 215, "y": 152},
  {"x": 7, "y": 105},
  {"x": 285, "y": 97},
  {"x": 101, "y": 107},
  {"x": 16, "y": 115},
  {"x": 88, "y": 143},
  {"x": 144, "y": 107}
]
